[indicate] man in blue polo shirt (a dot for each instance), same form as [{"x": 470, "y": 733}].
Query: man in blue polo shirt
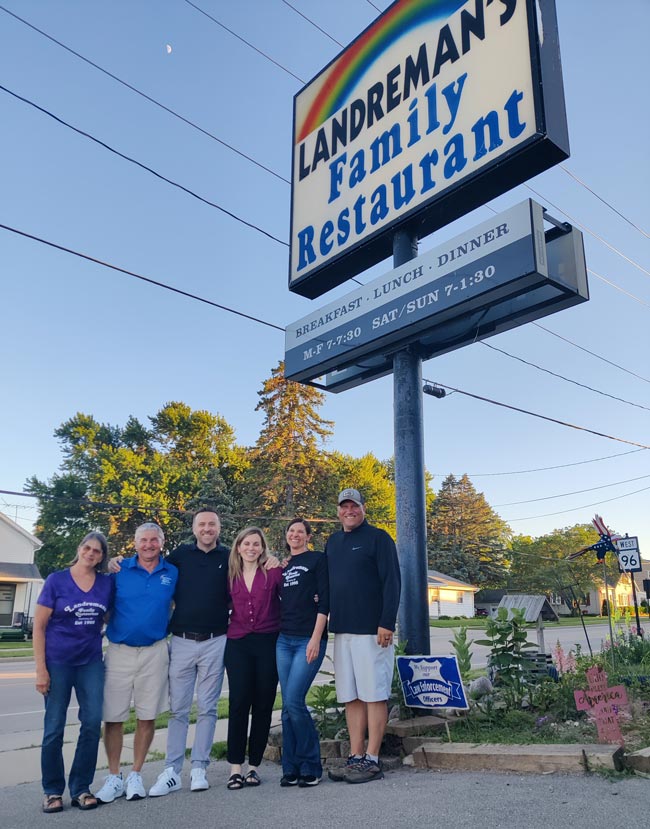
[{"x": 137, "y": 658}]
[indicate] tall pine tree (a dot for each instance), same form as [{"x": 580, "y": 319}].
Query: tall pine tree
[
  {"x": 288, "y": 472},
  {"x": 466, "y": 538}
]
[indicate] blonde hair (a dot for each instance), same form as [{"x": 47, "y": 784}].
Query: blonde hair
[{"x": 235, "y": 565}]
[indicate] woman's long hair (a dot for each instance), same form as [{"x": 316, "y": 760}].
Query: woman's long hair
[{"x": 235, "y": 564}]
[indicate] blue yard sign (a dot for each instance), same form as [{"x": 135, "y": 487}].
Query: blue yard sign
[{"x": 431, "y": 682}]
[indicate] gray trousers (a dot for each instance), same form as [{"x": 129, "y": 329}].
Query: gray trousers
[{"x": 193, "y": 664}]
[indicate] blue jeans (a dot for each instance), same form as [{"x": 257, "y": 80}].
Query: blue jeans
[
  {"x": 88, "y": 684},
  {"x": 300, "y": 743}
]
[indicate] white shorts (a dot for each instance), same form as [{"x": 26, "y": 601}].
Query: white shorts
[
  {"x": 139, "y": 675},
  {"x": 362, "y": 668}
]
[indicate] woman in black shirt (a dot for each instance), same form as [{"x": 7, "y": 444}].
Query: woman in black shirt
[{"x": 300, "y": 651}]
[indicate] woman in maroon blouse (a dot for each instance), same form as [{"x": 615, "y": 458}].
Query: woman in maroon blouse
[{"x": 250, "y": 653}]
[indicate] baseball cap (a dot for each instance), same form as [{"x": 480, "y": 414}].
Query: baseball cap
[{"x": 351, "y": 495}]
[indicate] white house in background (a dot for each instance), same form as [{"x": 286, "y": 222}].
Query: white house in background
[
  {"x": 448, "y": 596},
  {"x": 20, "y": 581}
]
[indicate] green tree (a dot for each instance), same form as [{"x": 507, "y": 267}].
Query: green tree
[
  {"x": 134, "y": 474},
  {"x": 466, "y": 538},
  {"x": 289, "y": 468},
  {"x": 540, "y": 565}
]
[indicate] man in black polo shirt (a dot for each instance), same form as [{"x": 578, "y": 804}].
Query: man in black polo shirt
[{"x": 198, "y": 626}]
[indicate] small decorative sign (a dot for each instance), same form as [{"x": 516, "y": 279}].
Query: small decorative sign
[
  {"x": 603, "y": 703},
  {"x": 431, "y": 682}
]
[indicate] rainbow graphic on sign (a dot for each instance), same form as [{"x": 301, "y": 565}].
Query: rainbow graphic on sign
[{"x": 343, "y": 75}]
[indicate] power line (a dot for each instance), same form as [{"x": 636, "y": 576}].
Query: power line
[
  {"x": 143, "y": 166},
  {"x": 591, "y": 232},
  {"x": 544, "y": 468},
  {"x": 604, "y": 201},
  {"x": 156, "y": 508},
  {"x": 246, "y": 42},
  {"x": 575, "y": 509},
  {"x": 618, "y": 287},
  {"x": 593, "y": 353},
  {"x": 309, "y": 20},
  {"x": 541, "y": 416},
  {"x": 562, "y": 377},
  {"x": 145, "y": 96},
  {"x": 575, "y": 492},
  {"x": 147, "y": 279}
]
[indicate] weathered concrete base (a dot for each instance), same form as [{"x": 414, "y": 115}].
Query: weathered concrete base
[{"x": 537, "y": 759}]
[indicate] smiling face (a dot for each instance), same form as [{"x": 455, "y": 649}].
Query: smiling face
[
  {"x": 297, "y": 538},
  {"x": 148, "y": 546},
  {"x": 90, "y": 553},
  {"x": 251, "y": 548},
  {"x": 351, "y": 515},
  {"x": 206, "y": 528}
]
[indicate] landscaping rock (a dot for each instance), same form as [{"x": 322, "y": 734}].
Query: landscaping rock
[
  {"x": 638, "y": 761},
  {"x": 418, "y": 725}
]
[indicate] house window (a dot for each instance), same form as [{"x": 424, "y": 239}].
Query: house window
[
  {"x": 460, "y": 598},
  {"x": 7, "y": 597}
]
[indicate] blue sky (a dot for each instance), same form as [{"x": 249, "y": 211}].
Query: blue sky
[{"x": 78, "y": 337}]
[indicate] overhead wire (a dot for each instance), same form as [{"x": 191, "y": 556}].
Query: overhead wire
[
  {"x": 313, "y": 23},
  {"x": 604, "y": 201},
  {"x": 543, "y": 468},
  {"x": 146, "y": 279},
  {"x": 540, "y": 416},
  {"x": 144, "y": 95},
  {"x": 568, "y": 494},
  {"x": 579, "y": 224},
  {"x": 576, "y": 509},
  {"x": 142, "y": 166},
  {"x": 240, "y": 38},
  {"x": 562, "y": 377},
  {"x": 592, "y": 353}
]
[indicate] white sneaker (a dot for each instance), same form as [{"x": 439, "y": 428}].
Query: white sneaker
[
  {"x": 134, "y": 788},
  {"x": 113, "y": 787},
  {"x": 168, "y": 781},
  {"x": 198, "y": 780}
]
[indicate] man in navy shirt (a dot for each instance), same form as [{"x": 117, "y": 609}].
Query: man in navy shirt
[
  {"x": 364, "y": 580},
  {"x": 137, "y": 658}
]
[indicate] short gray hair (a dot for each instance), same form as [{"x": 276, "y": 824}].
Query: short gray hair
[{"x": 149, "y": 525}]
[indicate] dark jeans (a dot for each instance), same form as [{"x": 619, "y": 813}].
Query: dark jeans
[
  {"x": 300, "y": 743},
  {"x": 252, "y": 685},
  {"x": 88, "y": 684}
]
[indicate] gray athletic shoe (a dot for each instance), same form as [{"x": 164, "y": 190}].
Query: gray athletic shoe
[
  {"x": 337, "y": 774},
  {"x": 364, "y": 771}
]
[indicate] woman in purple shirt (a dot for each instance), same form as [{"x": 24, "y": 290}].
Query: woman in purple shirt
[
  {"x": 68, "y": 654},
  {"x": 250, "y": 653}
]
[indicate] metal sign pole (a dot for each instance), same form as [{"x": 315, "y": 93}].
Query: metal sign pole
[
  {"x": 639, "y": 631},
  {"x": 609, "y": 614},
  {"x": 409, "y": 482}
]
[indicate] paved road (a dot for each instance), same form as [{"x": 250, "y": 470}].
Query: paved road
[{"x": 405, "y": 798}]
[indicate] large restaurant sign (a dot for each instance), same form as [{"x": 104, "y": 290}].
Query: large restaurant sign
[
  {"x": 437, "y": 107},
  {"x": 502, "y": 273}
]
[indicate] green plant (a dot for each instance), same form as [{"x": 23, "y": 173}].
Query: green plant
[
  {"x": 462, "y": 651},
  {"x": 328, "y": 717},
  {"x": 508, "y": 660}
]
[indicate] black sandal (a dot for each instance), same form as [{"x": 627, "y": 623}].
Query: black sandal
[
  {"x": 52, "y": 803},
  {"x": 81, "y": 801},
  {"x": 236, "y": 781},
  {"x": 252, "y": 778}
]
